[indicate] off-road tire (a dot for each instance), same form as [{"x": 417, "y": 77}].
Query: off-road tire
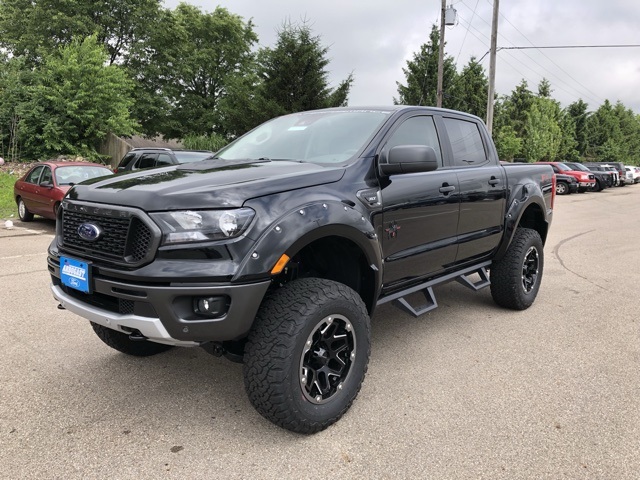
[
  {"x": 516, "y": 277},
  {"x": 307, "y": 321},
  {"x": 24, "y": 214},
  {"x": 121, "y": 342}
]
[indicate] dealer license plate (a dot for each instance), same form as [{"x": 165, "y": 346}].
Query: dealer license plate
[{"x": 75, "y": 274}]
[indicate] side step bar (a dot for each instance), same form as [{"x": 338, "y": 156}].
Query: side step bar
[{"x": 462, "y": 277}]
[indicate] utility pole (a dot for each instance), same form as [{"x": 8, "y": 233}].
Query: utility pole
[
  {"x": 441, "y": 56},
  {"x": 492, "y": 65}
]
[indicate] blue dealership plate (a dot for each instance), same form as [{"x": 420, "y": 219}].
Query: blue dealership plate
[{"x": 75, "y": 274}]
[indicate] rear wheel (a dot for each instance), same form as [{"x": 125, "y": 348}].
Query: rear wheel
[
  {"x": 121, "y": 342},
  {"x": 24, "y": 214},
  {"x": 516, "y": 277},
  {"x": 307, "y": 354}
]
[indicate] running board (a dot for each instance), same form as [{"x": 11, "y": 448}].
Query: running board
[{"x": 426, "y": 288}]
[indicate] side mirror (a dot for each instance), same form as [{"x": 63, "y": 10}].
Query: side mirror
[
  {"x": 46, "y": 185},
  {"x": 409, "y": 159}
]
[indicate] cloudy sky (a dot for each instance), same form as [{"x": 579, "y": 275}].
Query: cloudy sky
[{"x": 374, "y": 40}]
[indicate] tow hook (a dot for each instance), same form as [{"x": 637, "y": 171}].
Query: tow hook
[
  {"x": 136, "y": 336},
  {"x": 60, "y": 307}
]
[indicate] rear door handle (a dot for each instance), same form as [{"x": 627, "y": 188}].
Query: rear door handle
[
  {"x": 447, "y": 188},
  {"x": 494, "y": 181}
]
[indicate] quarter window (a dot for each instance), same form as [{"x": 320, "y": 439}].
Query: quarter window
[{"x": 466, "y": 143}]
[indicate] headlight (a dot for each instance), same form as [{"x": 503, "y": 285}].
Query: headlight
[{"x": 202, "y": 225}]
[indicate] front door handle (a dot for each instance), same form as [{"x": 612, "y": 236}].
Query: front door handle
[
  {"x": 494, "y": 181},
  {"x": 446, "y": 188}
]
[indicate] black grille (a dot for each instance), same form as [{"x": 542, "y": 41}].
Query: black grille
[
  {"x": 125, "y": 307},
  {"x": 123, "y": 239}
]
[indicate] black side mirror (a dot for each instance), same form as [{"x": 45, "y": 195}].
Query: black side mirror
[
  {"x": 408, "y": 159},
  {"x": 46, "y": 184}
]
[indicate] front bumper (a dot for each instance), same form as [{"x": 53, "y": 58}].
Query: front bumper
[{"x": 162, "y": 313}]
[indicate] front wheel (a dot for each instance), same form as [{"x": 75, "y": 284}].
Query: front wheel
[
  {"x": 307, "y": 354},
  {"x": 516, "y": 277},
  {"x": 562, "y": 188},
  {"x": 121, "y": 342}
]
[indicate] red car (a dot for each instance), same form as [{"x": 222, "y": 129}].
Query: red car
[
  {"x": 41, "y": 189},
  {"x": 586, "y": 180}
]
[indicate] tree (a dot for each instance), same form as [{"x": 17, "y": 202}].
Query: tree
[
  {"x": 75, "y": 101},
  {"x": 468, "y": 92},
  {"x": 290, "y": 77},
  {"x": 421, "y": 76},
  {"x": 543, "y": 134},
  {"x": 294, "y": 72},
  {"x": 185, "y": 68},
  {"x": 33, "y": 28},
  {"x": 578, "y": 113},
  {"x": 507, "y": 143}
]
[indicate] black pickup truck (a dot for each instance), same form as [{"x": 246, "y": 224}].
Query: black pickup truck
[{"x": 277, "y": 251}]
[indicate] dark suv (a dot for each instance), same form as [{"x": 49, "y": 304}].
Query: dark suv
[{"x": 140, "y": 158}]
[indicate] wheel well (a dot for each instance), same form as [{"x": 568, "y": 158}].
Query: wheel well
[
  {"x": 533, "y": 217},
  {"x": 333, "y": 258}
]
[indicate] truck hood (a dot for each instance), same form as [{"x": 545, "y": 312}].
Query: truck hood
[{"x": 212, "y": 183}]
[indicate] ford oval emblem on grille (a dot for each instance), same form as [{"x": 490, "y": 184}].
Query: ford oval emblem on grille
[{"x": 89, "y": 232}]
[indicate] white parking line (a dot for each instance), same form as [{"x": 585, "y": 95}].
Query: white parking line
[{"x": 23, "y": 256}]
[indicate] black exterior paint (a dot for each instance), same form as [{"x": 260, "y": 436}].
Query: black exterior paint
[{"x": 408, "y": 227}]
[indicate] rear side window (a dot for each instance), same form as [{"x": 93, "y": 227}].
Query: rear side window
[
  {"x": 416, "y": 131},
  {"x": 466, "y": 142},
  {"x": 146, "y": 161}
]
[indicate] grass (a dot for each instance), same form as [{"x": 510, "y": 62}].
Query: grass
[{"x": 7, "y": 203}]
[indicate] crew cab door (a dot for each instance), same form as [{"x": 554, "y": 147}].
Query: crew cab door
[
  {"x": 482, "y": 187},
  {"x": 419, "y": 210}
]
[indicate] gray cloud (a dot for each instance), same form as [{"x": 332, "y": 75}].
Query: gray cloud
[{"x": 374, "y": 40}]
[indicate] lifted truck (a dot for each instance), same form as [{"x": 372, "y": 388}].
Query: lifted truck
[{"x": 277, "y": 251}]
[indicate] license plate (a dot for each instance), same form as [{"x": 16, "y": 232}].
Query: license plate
[{"x": 75, "y": 274}]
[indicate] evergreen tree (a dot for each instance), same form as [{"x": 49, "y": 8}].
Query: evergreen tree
[
  {"x": 421, "y": 76},
  {"x": 468, "y": 92},
  {"x": 578, "y": 113}
]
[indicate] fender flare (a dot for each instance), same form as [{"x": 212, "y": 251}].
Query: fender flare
[{"x": 297, "y": 228}]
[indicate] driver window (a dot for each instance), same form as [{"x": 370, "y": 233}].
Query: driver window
[{"x": 416, "y": 131}]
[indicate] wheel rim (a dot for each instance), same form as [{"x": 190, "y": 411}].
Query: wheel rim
[
  {"x": 530, "y": 268},
  {"x": 326, "y": 361},
  {"x": 561, "y": 188},
  {"x": 22, "y": 210}
]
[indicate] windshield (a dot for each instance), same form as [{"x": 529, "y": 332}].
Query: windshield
[
  {"x": 79, "y": 173},
  {"x": 562, "y": 167},
  {"x": 188, "y": 157},
  {"x": 579, "y": 166},
  {"x": 322, "y": 137}
]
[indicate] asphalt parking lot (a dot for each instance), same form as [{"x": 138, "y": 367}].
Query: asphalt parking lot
[{"x": 467, "y": 391}]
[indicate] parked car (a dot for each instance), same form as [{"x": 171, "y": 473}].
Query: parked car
[
  {"x": 566, "y": 184},
  {"x": 603, "y": 179},
  {"x": 614, "y": 176},
  {"x": 618, "y": 166},
  {"x": 635, "y": 172},
  {"x": 586, "y": 180},
  {"x": 41, "y": 189},
  {"x": 140, "y": 158}
]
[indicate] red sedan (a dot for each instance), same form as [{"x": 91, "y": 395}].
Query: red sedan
[{"x": 41, "y": 189}]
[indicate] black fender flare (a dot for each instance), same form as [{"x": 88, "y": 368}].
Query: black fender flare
[
  {"x": 295, "y": 229},
  {"x": 522, "y": 197}
]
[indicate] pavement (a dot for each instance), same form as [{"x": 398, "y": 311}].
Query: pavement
[{"x": 467, "y": 391}]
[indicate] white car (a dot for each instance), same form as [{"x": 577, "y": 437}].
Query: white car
[{"x": 635, "y": 173}]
